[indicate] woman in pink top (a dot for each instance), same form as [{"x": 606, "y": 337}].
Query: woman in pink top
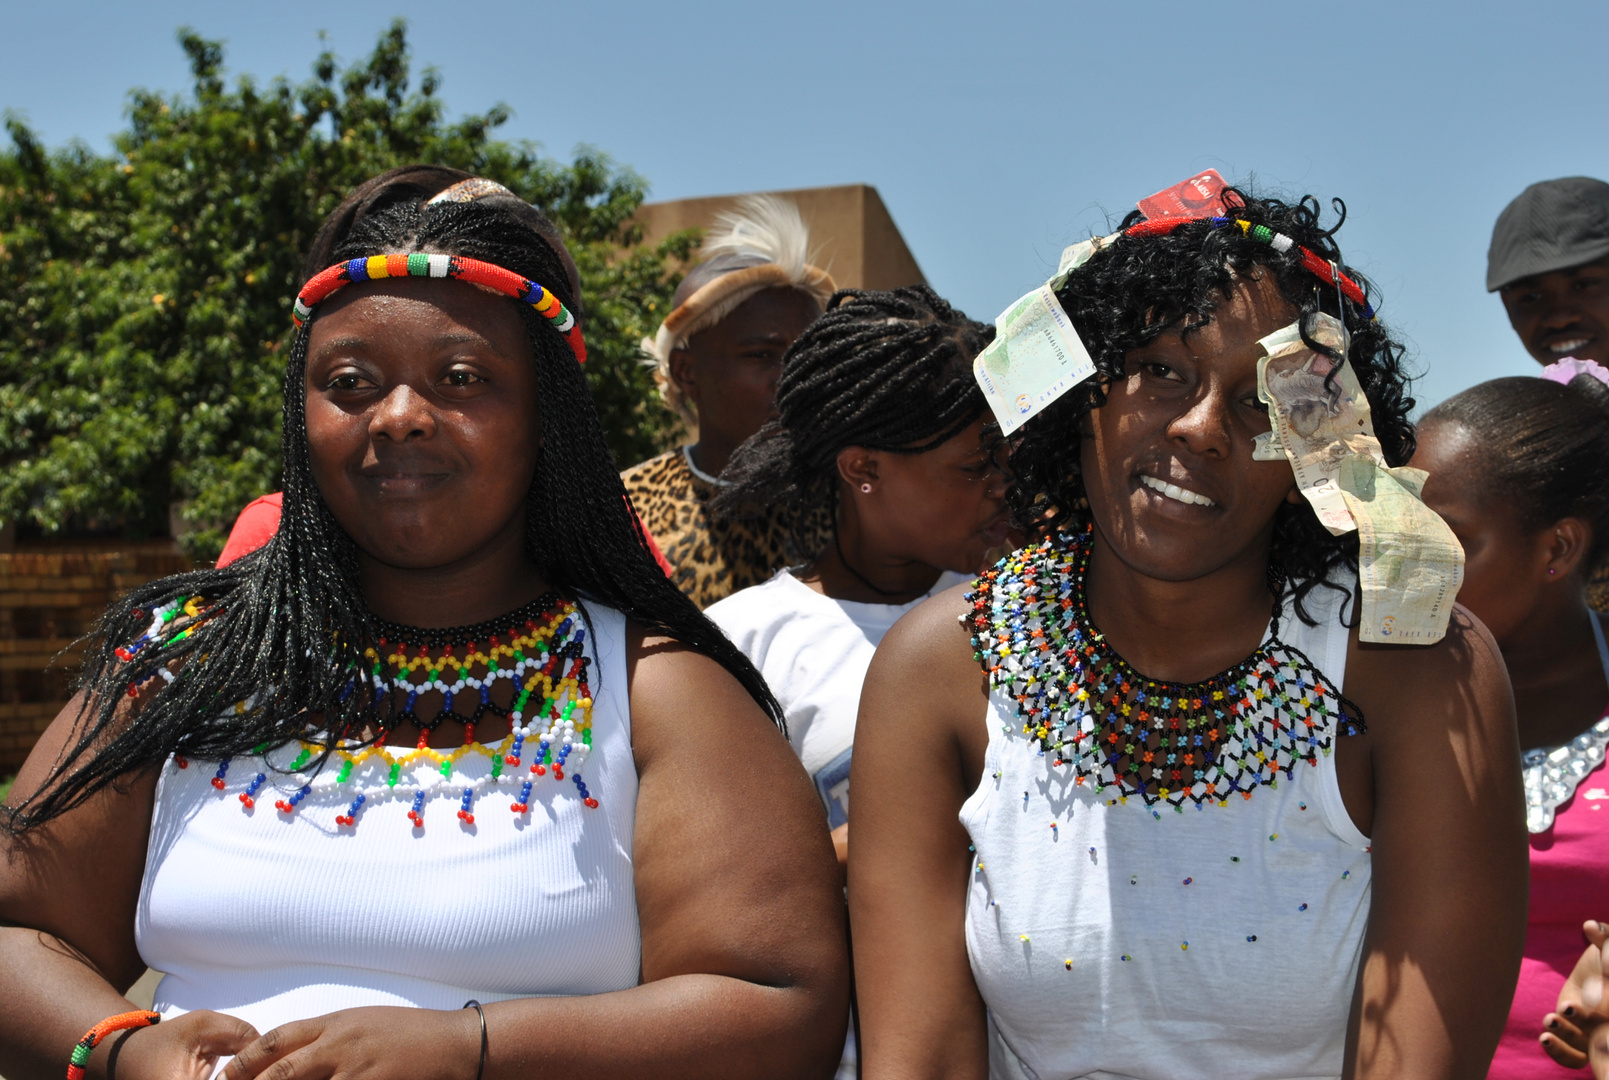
[{"x": 1520, "y": 469}]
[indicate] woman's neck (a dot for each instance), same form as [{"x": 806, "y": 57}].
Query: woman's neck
[
  {"x": 858, "y": 566},
  {"x": 1179, "y": 631},
  {"x": 711, "y": 453},
  {"x": 1554, "y": 667},
  {"x": 490, "y": 582}
]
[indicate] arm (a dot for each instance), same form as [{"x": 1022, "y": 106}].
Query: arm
[
  {"x": 1447, "y": 922},
  {"x": 744, "y": 957},
  {"x": 68, "y": 894},
  {"x": 919, "y": 748}
]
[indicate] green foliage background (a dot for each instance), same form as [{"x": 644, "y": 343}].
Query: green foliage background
[{"x": 145, "y": 296}]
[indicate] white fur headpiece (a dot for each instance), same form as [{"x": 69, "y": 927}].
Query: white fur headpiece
[{"x": 760, "y": 244}]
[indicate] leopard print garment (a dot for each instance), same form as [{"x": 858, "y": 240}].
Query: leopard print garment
[{"x": 712, "y": 560}]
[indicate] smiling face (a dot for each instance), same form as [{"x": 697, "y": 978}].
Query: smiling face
[
  {"x": 1167, "y": 462},
  {"x": 729, "y": 371},
  {"x": 1563, "y": 313},
  {"x": 943, "y": 508},
  {"x": 421, "y": 419}
]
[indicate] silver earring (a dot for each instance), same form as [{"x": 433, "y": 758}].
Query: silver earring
[{"x": 866, "y": 489}]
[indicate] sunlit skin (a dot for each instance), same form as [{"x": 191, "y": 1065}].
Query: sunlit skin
[
  {"x": 1562, "y": 313},
  {"x": 420, "y": 399},
  {"x": 729, "y": 371},
  {"x": 1185, "y": 413},
  {"x": 423, "y": 436},
  {"x": 1180, "y": 589}
]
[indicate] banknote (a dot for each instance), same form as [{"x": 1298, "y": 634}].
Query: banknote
[
  {"x": 1410, "y": 564},
  {"x": 1076, "y": 255},
  {"x": 1035, "y": 358},
  {"x": 1318, "y": 415}
]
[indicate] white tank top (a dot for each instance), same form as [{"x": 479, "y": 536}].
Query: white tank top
[
  {"x": 273, "y": 917},
  {"x": 1113, "y": 939}
]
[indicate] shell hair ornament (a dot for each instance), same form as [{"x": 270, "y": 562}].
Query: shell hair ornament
[{"x": 418, "y": 264}]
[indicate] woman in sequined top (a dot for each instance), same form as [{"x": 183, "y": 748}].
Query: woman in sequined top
[
  {"x": 1153, "y": 809},
  {"x": 449, "y": 735},
  {"x": 1518, "y": 469}
]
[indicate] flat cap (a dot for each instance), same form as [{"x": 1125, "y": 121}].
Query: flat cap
[{"x": 1553, "y": 225}]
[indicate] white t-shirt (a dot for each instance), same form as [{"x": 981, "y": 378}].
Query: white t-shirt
[{"x": 814, "y": 652}]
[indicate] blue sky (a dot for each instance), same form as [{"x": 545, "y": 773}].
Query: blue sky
[{"x": 996, "y": 133}]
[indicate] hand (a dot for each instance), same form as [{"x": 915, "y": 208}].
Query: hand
[
  {"x": 184, "y": 1048},
  {"x": 377, "y": 1043},
  {"x": 1578, "y": 1033}
]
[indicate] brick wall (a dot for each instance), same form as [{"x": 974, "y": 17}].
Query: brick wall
[{"x": 47, "y": 600}]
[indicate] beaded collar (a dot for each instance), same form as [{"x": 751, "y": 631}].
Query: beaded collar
[
  {"x": 529, "y": 666},
  {"x": 1092, "y": 713}
]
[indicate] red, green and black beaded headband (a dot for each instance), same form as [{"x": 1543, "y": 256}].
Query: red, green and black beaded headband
[
  {"x": 418, "y": 264},
  {"x": 1320, "y": 268}
]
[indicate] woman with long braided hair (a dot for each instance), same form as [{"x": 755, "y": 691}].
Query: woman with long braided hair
[
  {"x": 450, "y": 736},
  {"x": 881, "y": 430},
  {"x": 1158, "y": 796}
]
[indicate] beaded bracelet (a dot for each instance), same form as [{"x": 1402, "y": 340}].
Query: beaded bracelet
[{"x": 92, "y": 1038}]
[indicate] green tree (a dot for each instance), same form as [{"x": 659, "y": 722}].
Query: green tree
[{"x": 145, "y": 295}]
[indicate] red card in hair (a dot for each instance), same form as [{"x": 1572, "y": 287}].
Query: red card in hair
[{"x": 1201, "y": 196}]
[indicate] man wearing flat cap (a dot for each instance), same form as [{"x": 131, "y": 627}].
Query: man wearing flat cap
[
  {"x": 1549, "y": 261},
  {"x": 717, "y": 358}
]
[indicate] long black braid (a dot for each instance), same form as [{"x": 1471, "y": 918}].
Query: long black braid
[
  {"x": 1138, "y": 288},
  {"x": 285, "y": 627},
  {"x": 883, "y": 370}
]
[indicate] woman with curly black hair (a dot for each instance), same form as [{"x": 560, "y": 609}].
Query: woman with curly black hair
[
  {"x": 450, "y": 736},
  {"x": 1205, "y": 827}
]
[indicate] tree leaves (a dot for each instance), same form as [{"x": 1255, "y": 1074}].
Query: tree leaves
[{"x": 145, "y": 295}]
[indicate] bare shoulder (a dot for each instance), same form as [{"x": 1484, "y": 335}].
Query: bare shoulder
[
  {"x": 932, "y": 631},
  {"x": 673, "y": 687},
  {"x": 1459, "y": 680},
  {"x": 925, "y": 676}
]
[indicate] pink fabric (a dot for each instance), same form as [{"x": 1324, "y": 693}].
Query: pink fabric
[
  {"x": 1569, "y": 885},
  {"x": 259, "y": 521},
  {"x": 1564, "y": 370}
]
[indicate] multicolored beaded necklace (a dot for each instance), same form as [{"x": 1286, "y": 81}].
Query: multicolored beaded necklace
[
  {"x": 538, "y": 651},
  {"x": 1090, "y": 712}
]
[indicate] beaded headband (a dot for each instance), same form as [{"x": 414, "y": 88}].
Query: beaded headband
[
  {"x": 418, "y": 264},
  {"x": 1320, "y": 268}
]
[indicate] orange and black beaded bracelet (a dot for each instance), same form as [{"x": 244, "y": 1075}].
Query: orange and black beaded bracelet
[{"x": 92, "y": 1038}]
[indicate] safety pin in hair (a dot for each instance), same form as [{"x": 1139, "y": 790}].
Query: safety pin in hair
[{"x": 1340, "y": 310}]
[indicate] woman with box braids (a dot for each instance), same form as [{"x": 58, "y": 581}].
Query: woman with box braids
[
  {"x": 450, "y": 734},
  {"x": 879, "y": 423},
  {"x": 579, "y": 532},
  {"x": 889, "y": 371}
]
